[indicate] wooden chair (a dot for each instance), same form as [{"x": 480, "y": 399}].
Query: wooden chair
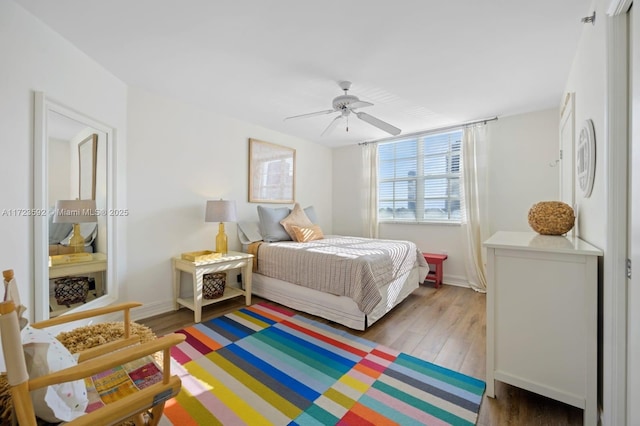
[{"x": 142, "y": 407}]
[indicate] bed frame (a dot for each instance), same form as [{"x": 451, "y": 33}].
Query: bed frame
[{"x": 340, "y": 309}]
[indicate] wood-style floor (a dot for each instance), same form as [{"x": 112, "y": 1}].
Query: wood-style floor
[{"x": 445, "y": 326}]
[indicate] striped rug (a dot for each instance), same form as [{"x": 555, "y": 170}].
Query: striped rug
[{"x": 263, "y": 365}]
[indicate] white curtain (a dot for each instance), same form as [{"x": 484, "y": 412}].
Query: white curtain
[
  {"x": 473, "y": 187},
  {"x": 370, "y": 189}
]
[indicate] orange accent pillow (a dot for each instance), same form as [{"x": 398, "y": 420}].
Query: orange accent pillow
[{"x": 307, "y": 233}]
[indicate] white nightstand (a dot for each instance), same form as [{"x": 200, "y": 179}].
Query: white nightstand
[
  {"x": 229, "y": 261},
  {"x": 95, "y": 267}
]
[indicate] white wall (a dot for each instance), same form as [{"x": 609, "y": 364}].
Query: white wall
[
  {"x": 587, "y": 80},
  {"x": 179, "y": 156},
  {"x": 523, "y": 150},
  {"x": 522, "y": 153},
  {"x": 34, "y": 58}
]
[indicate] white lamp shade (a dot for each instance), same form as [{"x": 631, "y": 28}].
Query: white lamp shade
[
  {"x": 220, "y": 211},
  {"x": 75, "y": 211}
]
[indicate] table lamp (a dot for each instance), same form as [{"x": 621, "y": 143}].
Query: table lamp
[
  {"x": 220, "y": 211},
  {"x": 76, "y": 212}
]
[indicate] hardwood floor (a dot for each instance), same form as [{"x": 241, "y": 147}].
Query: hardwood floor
[{"x": 444, "y": 326}]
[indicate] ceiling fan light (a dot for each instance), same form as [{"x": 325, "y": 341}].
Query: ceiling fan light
[
  {"x": 344, "y": 101},
  {"x": 345, "y": 105}
]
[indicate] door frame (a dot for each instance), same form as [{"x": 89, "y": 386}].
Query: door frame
[
  {"x": 633, "y": 291},
  {"x": 614, "y": 291},
  {"x": 566, "y": 160}
]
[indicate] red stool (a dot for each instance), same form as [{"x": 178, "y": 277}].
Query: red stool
[{"x": 435, "y": 260}]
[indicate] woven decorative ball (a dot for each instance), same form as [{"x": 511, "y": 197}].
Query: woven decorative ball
[
  {"x": 213, "y": 285},
  {"x": 551, "y": 218}
]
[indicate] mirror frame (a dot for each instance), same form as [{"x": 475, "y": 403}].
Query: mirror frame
[{"x": 42, "y": 109}]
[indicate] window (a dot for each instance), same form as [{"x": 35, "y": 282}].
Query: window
[{"x": 419, "y": 178}]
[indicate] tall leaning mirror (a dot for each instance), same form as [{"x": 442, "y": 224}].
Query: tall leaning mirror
[{"x": 73, "y": 230}]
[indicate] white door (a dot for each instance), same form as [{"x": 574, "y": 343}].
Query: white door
[
  {"x": 633, "y": 291},
  {"x": 567, "y": 125}
]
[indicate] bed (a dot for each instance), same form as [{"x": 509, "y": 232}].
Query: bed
[{"x": 349, "y": 280}]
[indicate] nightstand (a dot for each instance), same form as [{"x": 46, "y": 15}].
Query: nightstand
[
  {"x": 96, "y": 267},
  {"x": 229, "y": 261}
]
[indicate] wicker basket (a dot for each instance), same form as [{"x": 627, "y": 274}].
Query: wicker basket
[
  {"x": 70, "y": 290},
  {"x": 213, "y": 285},
  {"x": 551, "y": 218}
]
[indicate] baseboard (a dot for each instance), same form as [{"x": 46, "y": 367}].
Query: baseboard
[
  {"x": 149, "y": 310},
  {"x": 456, "y": 280}
]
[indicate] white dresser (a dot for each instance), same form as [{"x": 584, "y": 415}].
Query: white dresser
[{"x": 542, "y": 313}]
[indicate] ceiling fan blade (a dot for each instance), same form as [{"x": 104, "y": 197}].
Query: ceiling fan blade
[
  {"x": 311, "y": 114},
  {"x": 359, "y": 104},
  {"x": 378, "y": 123},
  {"x": 331, "y": 125}
]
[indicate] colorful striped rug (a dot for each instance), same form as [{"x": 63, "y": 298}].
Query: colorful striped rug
[{"x": 264, "y": 365}]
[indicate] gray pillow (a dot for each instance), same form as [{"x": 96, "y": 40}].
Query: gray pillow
[
  {"x": 311, "y": 214},
  {"x": 87, "y": 230},
  {"x": 270, "y": 226},
  {"x": 57, "y": 231}
]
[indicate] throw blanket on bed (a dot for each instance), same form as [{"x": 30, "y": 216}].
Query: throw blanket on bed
[{"x": 346, "y": 266}]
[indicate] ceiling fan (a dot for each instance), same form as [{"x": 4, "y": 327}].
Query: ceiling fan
[{"x": 345, "y": 105}]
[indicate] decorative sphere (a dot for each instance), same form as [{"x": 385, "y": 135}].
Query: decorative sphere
[{"x": 551, "y": 218}]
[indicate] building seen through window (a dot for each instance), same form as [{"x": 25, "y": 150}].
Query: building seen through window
[{"x": 419, "y": 178}]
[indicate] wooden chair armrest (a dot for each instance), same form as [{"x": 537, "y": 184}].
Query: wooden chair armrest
[
  {"x": 104, "y": 362},
  {"x": 63, "y": 319},
  {"x": 119, "y": 410}
]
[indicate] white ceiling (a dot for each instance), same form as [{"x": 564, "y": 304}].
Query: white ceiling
[{"x": 423, "y": 63}]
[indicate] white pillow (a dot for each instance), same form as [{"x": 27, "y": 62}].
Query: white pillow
[
  {"x": 44, "y": 354},
  {"x": 249, "y": 232}
]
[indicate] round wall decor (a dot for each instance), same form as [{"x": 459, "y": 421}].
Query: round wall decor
[{"x": 586, "y": 158}]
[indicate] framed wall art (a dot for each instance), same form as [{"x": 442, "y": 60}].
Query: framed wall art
[
  {"x": 88, "y": 155},
  {"x": 272, "y": 171}
]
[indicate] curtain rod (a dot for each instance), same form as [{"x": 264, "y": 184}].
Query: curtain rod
[{"x": 425, "y": 132}]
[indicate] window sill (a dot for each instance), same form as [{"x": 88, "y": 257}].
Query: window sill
[{"x": 431, "y": 222}]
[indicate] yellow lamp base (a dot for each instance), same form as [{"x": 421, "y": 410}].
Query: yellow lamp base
[
  {"x": 221, "y": 240},
  {"x": 77, "y": 240}
]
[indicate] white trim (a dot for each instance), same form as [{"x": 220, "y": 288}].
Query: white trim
[
  {"x": 567, "y": 118},
  {"x": 614, "y": 275},
  {"x": 40, "y": 233},
  {"x": 43, "y": 106},
  {"x": 456, "y": 280},
  {"x": 618, "y": 7},
  {"x": 633, "y": 295},
  {"x": 149, "y": 310}
]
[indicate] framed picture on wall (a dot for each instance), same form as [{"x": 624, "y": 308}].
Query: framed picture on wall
[
  {"x": 88, "y": 156},
  {"x": 272, "y": 170}
]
